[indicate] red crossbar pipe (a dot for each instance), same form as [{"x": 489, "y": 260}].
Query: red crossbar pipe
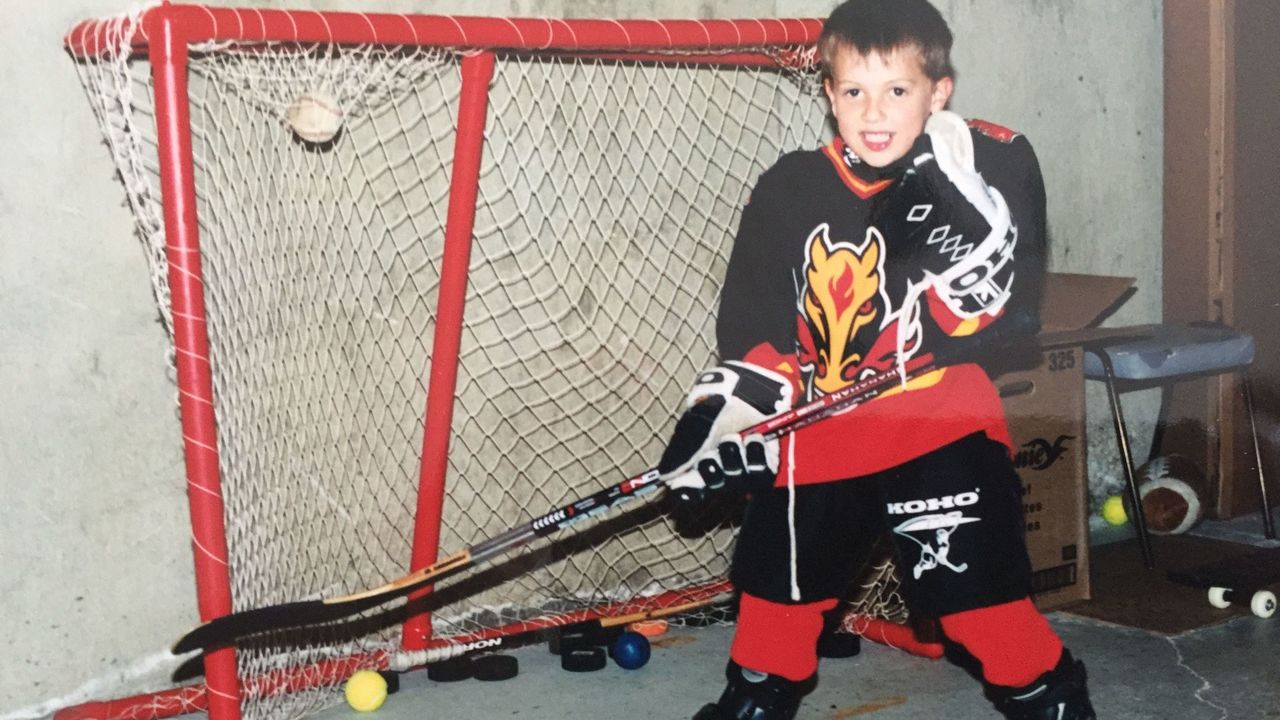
[{"x": 203, "y": 23}]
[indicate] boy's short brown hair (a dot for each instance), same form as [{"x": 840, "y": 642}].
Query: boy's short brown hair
[{"x": 883, "y": 26}]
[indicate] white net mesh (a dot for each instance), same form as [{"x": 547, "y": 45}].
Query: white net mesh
[
  {"x": 608, "y": 199},
  {"x": 877, "y": 593}
]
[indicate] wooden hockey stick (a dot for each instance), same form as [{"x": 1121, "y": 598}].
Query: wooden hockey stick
[{"x": 227, "y": 629}]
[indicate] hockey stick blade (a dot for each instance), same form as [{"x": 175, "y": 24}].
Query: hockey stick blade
[{"x": 227, "y": 629}]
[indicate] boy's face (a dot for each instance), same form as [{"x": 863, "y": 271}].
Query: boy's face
[{"x": 881, "y": 102}]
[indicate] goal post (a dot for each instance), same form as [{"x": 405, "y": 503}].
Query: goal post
[{"x": 479, "y": 293}]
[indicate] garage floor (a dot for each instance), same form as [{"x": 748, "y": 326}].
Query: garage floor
[
  {"x": 1230, "y": 669},
  {"x": 1225, "y": 671}
]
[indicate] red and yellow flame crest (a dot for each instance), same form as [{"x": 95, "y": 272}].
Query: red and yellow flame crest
[{"x": 843, "y": 302}]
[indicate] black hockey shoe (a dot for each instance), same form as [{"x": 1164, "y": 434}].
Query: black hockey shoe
[
  {"x": 753, "y": 695},
  {"x": 1060, "y": 694}
]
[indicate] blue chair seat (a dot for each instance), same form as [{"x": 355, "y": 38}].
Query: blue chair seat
[{"x": 1174, "y": 351}]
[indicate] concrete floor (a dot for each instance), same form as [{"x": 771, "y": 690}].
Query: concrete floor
[
  {"x": 1225, "y": 671},
  {"x": 1229, "y": 671}
]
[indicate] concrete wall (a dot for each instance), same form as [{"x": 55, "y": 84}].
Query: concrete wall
[
  {"x": 94, "y": 540},
  {"x": 1083, "y": 80}
]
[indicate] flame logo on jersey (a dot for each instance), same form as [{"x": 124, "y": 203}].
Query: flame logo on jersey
[{"x": 843, "y": 309}]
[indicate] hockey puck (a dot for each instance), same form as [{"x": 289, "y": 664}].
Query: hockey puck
[
  {"x": 587, "y": 659},
  {"x": 451, "y": 670},
  {"x": 495, "y": 667},
  {"x": 838, "y": 645},
  {"x": 582, "y": 635},
  {"x": 567, "y": 638},
  {"x": 393, "y": 680}
]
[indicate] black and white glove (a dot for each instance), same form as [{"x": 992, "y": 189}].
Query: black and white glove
[
  {"x": 706, "y": 454},
  {"x": 738, "y": 465},
  {"x": 960, "y": 227}
]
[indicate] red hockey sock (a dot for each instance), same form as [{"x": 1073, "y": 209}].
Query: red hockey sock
[
  {"x": 778, "y": 639},
  {"x": 1013, "y": 641}
]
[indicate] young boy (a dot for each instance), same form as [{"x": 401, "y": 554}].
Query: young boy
[{"x": 910, "y": 234}]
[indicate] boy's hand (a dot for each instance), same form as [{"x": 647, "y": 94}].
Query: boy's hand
[
  {"x": 959, "y": 226},
  {"x": 740, "y": 464},
  {"x": 705, "y": 453}
]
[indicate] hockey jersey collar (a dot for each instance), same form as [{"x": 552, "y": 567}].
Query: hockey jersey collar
[{"x": 859, "y": 177}]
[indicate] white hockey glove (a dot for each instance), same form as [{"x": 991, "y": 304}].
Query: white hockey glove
[
  {"x": 959, "y": 225},
  {"x": 706, "y": 453}
]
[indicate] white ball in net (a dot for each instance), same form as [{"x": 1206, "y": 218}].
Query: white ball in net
[{"x": 315, "y": 116}]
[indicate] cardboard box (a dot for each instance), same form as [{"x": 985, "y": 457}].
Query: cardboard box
[{"x": 1045, "y": 408}]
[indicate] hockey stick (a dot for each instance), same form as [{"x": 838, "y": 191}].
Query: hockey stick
[{"x": 226, "y": 629}]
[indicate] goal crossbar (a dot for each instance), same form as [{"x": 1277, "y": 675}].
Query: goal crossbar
[{"x": 203, "y": 23}]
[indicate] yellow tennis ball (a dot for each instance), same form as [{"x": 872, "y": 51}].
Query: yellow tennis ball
[
  {"x": 366, "y": 690},
  {"x": 1113, "y": 511}
]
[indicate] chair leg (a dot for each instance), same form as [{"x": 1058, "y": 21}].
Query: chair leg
[
  {"x": 1162, "y": 420},
  {"x": 1268, "y": 524},
  {"x": 1126, "y": 457}
]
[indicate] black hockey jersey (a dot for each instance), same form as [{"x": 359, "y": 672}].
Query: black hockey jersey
[{"x": 811, "y": 293}]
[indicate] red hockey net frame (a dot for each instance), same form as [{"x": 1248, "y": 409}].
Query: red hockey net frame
[{"x": 167, "y": 37}]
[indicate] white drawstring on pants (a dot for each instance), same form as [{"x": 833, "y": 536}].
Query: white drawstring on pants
[{"x": 791, "y": 514}]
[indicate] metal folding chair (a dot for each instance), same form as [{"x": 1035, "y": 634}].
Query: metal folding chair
[{"x": 1166, "y": 355}]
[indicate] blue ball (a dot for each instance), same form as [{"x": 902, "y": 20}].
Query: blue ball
[{"x": 630, "y": 650}]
